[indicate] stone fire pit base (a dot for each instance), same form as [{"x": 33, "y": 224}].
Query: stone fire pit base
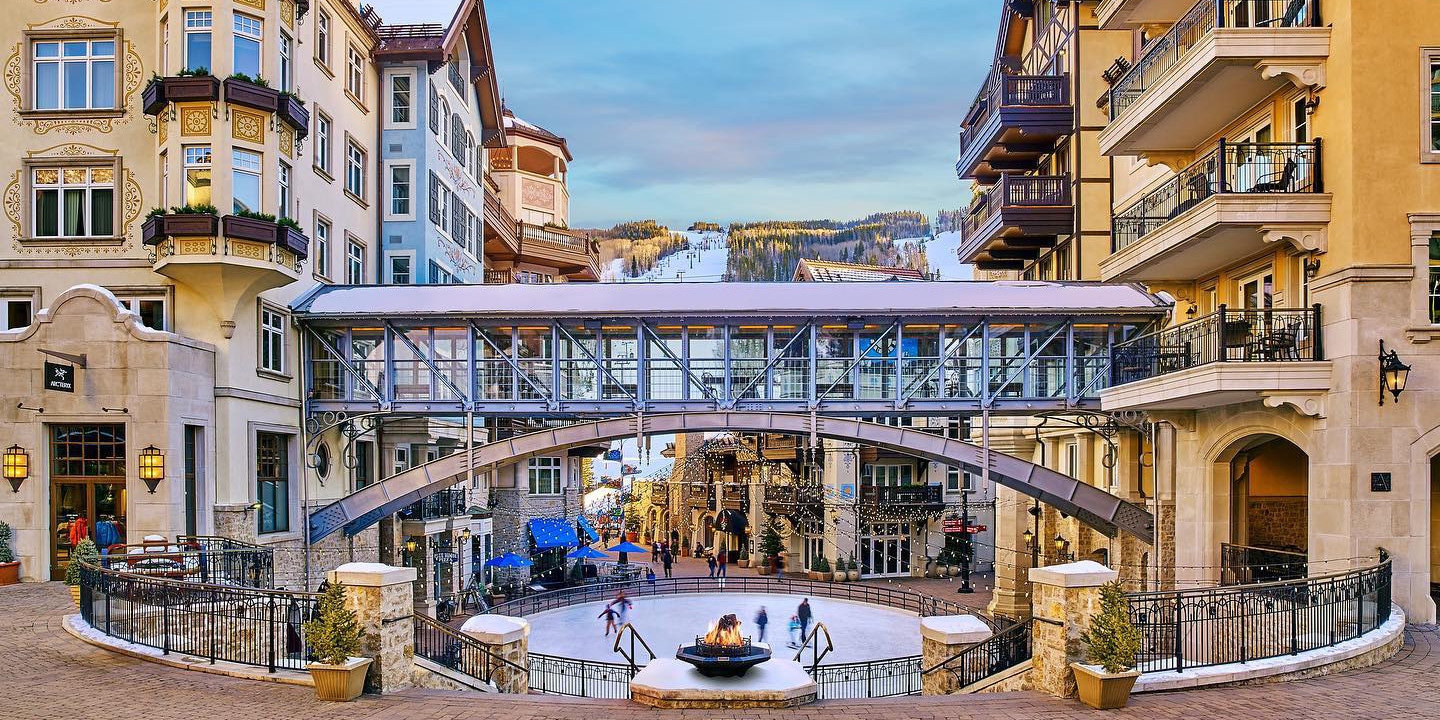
[{"x": 670, "y": 683}]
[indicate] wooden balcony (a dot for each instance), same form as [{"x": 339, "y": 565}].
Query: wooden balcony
[
  {"x": 927, "y": 498},
  {"x": 1016, "y": 220},
  {"x": 502, "y": 232},
  {"x": 779, "y": 447},
  {"x": 1015, "y": 120},
  {"x": 793, "y": 500}
]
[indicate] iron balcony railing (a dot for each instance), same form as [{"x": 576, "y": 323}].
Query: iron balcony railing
[
  {"x": 990, "y": 656},
  {"x": 1242, "y": 168},
  {"x": 1269, "y": 335},
  {"x": 447, "y": 503},
  {"x": 198, "y": 559},
  {"x": 1005, "y": 90},
  {"x": 1244, "y": 564},
  {"x": 1183, "y": 629},
  {"x": 442, "y": 644},
  {"x": 891, "y": 677},
  {"x": 1166, "y": 51},
  {"x": 1016, "y": 191},
  {"x": 931, "y": 496},
  {"x": 573, "y": 677}
]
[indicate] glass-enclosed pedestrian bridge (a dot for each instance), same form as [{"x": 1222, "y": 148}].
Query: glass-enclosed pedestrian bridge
[{"x": 837, "y": 349}]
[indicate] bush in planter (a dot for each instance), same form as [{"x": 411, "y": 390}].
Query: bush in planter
[
  {"x": 9, "y": 569},
  {"x": 1111, "y": 642},
  {"x": 267, "y": 217},
  {"x": 821, "y": 567},
  {"x": 193, "y": 210},
  {"x": 334, "y": 635},
  {"x": 257, "y": 80},
  {"x": 193, "y": 72},
  {"x": 85, "y": 551}
]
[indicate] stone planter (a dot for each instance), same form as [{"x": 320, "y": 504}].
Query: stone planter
[
  {"x": 839, "y": 575},
  {"x": 764, "y": 568},
  {"x": 1102, "y": 690},
  {"x": 917, "y": 572},
  {"x": 743, "y": 562},
  {"x": 10, "y": 573},
  {"x": 245, "y": 228},
  {"x": 292, "y": 240},
  {"x": 152, "y": 99},
  {"x": 853, "y": 575},
  {"x": 199, "y": 88},
  {"x": 293, "y": 113},
  {"x": 340, "y": 683},
  {"x": 251, "y": 95}
]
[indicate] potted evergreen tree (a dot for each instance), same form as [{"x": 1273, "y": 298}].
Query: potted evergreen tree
[
  {"x": 820, "y": 569},
  {"x": 85, "y": 551},
  {"x": 770, "y": 548},
  {"x": 1111, "y": 644},
  {"x": 840, "y": 571},
  {"x": 334, "y": 634},
  {"x": 9, "y": 567},
  {"x": 852, "y": 569}
]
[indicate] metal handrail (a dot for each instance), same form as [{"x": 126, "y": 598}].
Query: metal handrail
[
  {"x": 1265, "y": 335},
  {"x": 480, "y": 663},
  {"x": 994, "y": 654},
  {"x": 634, "y": 636},
  {"x": 813, "y": 643}
]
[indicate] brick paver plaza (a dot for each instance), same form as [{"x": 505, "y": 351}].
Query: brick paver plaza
[{"x": 49, "y": 674}]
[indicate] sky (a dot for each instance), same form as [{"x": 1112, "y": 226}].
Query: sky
[{"x": 735, "y": 110}]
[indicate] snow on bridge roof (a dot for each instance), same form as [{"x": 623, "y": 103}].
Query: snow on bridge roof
[{"x": 769, "y": 299}]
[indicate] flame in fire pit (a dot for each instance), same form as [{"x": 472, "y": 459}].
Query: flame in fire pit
[{"x": 726, "y": 633}]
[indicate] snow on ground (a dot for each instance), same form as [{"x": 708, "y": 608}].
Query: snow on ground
[
  {"x": 940, "y": 252},
  {"x": 703, "y": 261},
  {"x": 859, "y": 631}
]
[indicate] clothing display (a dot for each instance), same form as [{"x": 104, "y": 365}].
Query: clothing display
[
  {"x": 79, "y": 530},
  {"x": 107, "y": 533}
]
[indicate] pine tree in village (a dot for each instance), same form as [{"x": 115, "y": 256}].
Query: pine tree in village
[
  {"x": 335, "y": 632},
  {"x": 1112, "y": 641}
]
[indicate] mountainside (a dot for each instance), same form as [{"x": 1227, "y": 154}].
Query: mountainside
[
  {"x": 770, "y": 250},
  {"x": 633, "y": 248}
]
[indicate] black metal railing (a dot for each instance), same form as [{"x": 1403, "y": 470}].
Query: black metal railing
[
  {"x": 243, "y": 625},
  {"x": 1016, "y": 191},
  {"x": 990, "y": 656},
  {"x": 1166, "y": 51},
  {"x": 576, "y": 677},
  {"x": 443, "y": 645},
  {"x": 444, "y": 504},
  {"x": 868, "y": 679},
  {"x": 787, "y": 500},
  {"x": 1245, "y": 565},
  {"x": 931, "y": 496},
  {"x": 196, "y": 562},
  {"x": 1270, "y": 335},
  {"x": 1006, "y": 90},
  {"x": 1242, "y": 168},
  {"x": 1214, "y": 626}
]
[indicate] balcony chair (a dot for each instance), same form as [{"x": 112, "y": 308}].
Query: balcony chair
[
  {"x": 1196, "y": 189},
  {"x": 1276, "y": 182},
  {"x": 1289, "y": 19}
]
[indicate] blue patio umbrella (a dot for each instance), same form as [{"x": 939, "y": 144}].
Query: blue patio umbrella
[
  {"x": 586, "y": 553},
  {"x": 508, "y": 560},
  {"x": 627, "y": 547}
]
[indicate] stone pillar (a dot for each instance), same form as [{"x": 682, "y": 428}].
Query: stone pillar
[
  {"x": 380, "y": 595},
  {"x": 1011, "y": 597},
  {"x": 1066, "y": 597},
  {"x": 509, "y": 638},
  {"x": 941, "y": 637}
]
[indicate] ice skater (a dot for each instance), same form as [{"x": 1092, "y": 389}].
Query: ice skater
[
  {"x": 804, "y": 615},
  {"x": 794, "y": 628},
  {"x": 667, "y": 561},
  {"x": 609, "y": 614},
  {"x": 724, "y": 561},
  {"x": 622, "y": 605},
  {"x": 761, "y": 620},
  {"x": 710, "y": 562}
]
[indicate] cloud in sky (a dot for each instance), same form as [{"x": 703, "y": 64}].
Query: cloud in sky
[{"x": 742, "y": 109}]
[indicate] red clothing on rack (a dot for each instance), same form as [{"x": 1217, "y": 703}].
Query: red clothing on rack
[{"x": 79, "y": 530}]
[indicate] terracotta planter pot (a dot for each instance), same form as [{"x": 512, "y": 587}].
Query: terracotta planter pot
[
  {"x": 340, "y": 683},
  {"x": 244, "y": 228},
  {"x": 854, "y": 575},
  {"x": 202, "y": 88},
  {"x": 9, "y": 573},
  {"x": 1102, "y": 690},
  {"x": 251, "y": 95}
]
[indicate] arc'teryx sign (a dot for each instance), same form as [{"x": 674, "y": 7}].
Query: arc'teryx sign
[{"x": 59, "y": 377}]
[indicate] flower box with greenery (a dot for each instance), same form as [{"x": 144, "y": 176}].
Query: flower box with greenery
[
  {"x": 334, "y": 636},
  {"x": 9, "y": 566},
  {"x": 251, "y": 92},
  {"x": 248, "y": 225},
  {"x": 291, "y": 110},
  {"x": 86, "y": 552},
  {"x": 1111, "y": 644},
  {"x": 152, "y": 98},
  {"x": 185, "y": 220},
  {"x": 196, "y": 85},
  {"x": 288, "y": 235}
]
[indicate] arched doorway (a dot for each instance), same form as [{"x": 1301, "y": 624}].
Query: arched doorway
[{"x": 1269, "y": 495}]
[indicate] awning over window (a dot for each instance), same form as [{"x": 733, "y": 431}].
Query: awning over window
[
  {"x": 589, "y": 529},
  {"x": 552, "y": 533}
]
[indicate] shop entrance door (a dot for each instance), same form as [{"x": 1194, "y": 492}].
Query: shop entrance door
[{"x": 87, "y": 489}]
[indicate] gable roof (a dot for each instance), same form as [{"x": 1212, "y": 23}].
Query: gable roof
[{"x": 814, "y": 270}]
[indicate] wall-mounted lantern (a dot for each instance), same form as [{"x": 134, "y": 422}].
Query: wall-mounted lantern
[
  {"x": 1393, "y": 374},
  {"x": 152, "y": 467},
  {"x": 16, "y": 463}
]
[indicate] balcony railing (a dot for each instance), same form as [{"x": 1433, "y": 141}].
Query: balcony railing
[
  {"x": 1166, "y": 51},
  {"x": 1270, "y": 335},
  {"x": 554, "y": 238},
  {"x": 447, "y": 503},
  {"x": 497, "y": 217},
  {"x": 1004, "y": 90},
  {"x": 1244, "y": 168},
  {"x": 931, "y": 496},
  {"x": 220, "y": 247},
  {"x": 1243, "y": 564},
  {"x": 1016, "y": 191}
]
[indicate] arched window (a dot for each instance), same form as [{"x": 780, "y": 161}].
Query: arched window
[
  {"x": 444, "y": 119},
  {"x": 469, "y": 157}
]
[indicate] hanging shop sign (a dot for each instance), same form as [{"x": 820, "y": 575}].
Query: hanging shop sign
[
  {"x": 956, "y": 526},
  {"x": 445, "y": 557},
  {"x": 59, "y": 377}
]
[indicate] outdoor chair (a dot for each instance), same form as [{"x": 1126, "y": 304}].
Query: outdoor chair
[
  {"x": 1289, "y": 19},
  {"x": 1277, "y": 182}
]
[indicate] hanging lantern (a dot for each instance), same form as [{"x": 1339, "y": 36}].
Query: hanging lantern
[
  {"x": 16, "y": 465},
  {"x": 152, "y": 467}
]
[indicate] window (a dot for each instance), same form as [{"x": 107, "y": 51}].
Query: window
[
  {"x": 245, "y": 180},
  {"x": 165, "y": 178},
  {"x": 544, "y": 476},
  {"x": 272, "y": 340},
  {"x": 439, "y": 275},
  {"x": 323, "y": 131},
  {"x": 287, "y": 66},
  {"x": 248, "y": 33},
  {"x": 401, "y": 204},
  {"x": 444, "y": 113},
  {"x": 364, "y": 451},
  {"x": 1072, "y": 459},
  {"x": 457, "y": 221},
  {"x": 197, "y": 175},
  {"x": 875, "y": 474},
  {"x": 197, "y": 40},
  {"x": 1434, "y": 280},
  {"x": 322, "y": 247},
  {"x": 400, "y": 271},
  {"x": 536, "y": 217},
  {"x": 456, "y": 81},
  {"x": 434, "y": 196},
  {"x": 355, "y": 73},
  {"x": 400, "y": 100},
  {"x": 354, "y": 263},
  {"x": 151, "y": 309},
  {"x": 402, "y": 458},
  {"x": 282, "y": 177},
  {"x": 75, "y": 74},
  {"x": 322, "y": 37},
  {"x": 272, "y": 479},
  {"x": 165, "y": 47},
  {"x": 457, "y": 138},
  {"x": 354, "y": 170},
  {"x": 18, "y": 314},
  {"x": 73, "y": 202}
]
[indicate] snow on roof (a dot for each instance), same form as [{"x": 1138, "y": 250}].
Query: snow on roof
[
  {"x": 674, "y": 299},
  {"x": 836, "y": 271}
]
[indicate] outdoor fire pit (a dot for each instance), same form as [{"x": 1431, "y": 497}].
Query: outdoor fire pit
[{"x": 723, "y": 652}]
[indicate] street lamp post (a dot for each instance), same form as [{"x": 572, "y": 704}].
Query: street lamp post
[{"x": 966, "y": 545}]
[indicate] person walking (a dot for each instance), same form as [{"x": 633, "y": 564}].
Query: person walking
[
  {"x": 666, "y": 561},
  {"x": 761, "y": 620},
  {"x": 724, "y": 561},
  {"x": 609, "y": 614},
  {"x": 655, "y": 551},
  {"x": 804, "y": 614},
  {"x": 710, "y": 562}
]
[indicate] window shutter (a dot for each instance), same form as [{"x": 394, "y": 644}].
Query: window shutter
[
  {"x": 434, "y": 110},
  {"x": 457, "y": 221},
  {"x": 434, "y": 198}
]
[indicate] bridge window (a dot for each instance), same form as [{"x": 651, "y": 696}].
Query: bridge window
[{"x": 544, "y": 476}]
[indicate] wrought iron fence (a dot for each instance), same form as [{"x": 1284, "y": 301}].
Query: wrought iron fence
[
  {"x": 1214, "y": 626},
  {"x": 1008, "y": 90},
  {"x": 1263, "y": 335},
  {"x": 444, "y": 504},
  {"x": 869, "y": 678},
  {"x": 442, "y": 644},
  {"x": 1166, "y": 51},
  {"x": 243, "y": 625},
  {"x": 241, "y": 567},
  {"x": 1244, "y": 564},
  {"x": 1016, "y": 191},
  {"x": 575, "y": 677},
  {"x": 1280, "y": 167},
  {"x": 995, "y": 654}
]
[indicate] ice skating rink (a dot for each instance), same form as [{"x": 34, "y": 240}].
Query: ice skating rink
[{"x": 859, "y": 631}]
